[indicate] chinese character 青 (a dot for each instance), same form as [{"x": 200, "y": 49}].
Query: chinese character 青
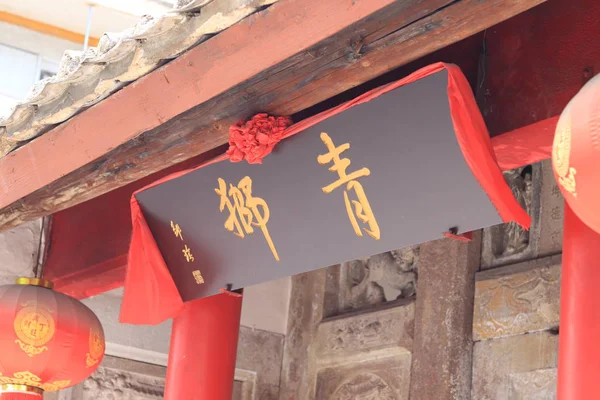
[{"x": 358, "y": 209}]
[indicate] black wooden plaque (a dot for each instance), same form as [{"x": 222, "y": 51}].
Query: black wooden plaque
[{"x": 418, "y": 187}]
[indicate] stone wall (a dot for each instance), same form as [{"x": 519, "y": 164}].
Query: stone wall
[
  {"x": 517, "y": 301},
  {"x": 444, "y": 320}
]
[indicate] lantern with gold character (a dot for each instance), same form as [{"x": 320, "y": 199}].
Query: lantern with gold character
[
  {"x": 576, "y": 154},
  {"x": 48, "y": 341}
]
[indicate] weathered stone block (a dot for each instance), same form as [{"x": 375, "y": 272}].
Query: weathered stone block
[
  {"x": 507, "y": 368},
  {"x": 517, "y": 299},
  {"x": 298, "y": 373},
  {"x": 379, "y": 379},
  {"x": 262, "y": 353},
  {"x": 551, "y": 214},
  {"x": 356, "y": 335},
  {"x": 245, "y": 385},
  {"x": 366, "y": 355},
  {"x": 442, "y": 350},
  {"x": 534, "y": 385}
]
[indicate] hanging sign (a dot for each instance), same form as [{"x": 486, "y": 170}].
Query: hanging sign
[{"x": 382, "y": 175}]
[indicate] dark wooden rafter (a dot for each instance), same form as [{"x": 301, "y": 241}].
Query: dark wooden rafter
[{"x": 344, "y": 50}]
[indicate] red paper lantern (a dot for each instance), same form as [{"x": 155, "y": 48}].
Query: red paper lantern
[
  {"x": 576, "y": 154},
  {"x": 48, "y": 341}
]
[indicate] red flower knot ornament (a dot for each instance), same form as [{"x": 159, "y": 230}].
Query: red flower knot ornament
[{"x": 254, "y": 139}]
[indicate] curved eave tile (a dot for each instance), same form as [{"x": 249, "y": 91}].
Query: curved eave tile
[{"x": 85, "y": 78}]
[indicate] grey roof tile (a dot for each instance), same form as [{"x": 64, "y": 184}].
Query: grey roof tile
[{"x": 85, "y": 78}]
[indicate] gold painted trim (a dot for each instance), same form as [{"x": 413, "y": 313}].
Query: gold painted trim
[
  {"x": 46, "y": 29},
  {"x": 35, "y": 282},
  {"x": 9, "y": 387}
]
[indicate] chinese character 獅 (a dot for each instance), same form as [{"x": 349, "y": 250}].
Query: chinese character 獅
[
  {"x": 246, "y": 211},
  {"x": 359, "y": 208}
]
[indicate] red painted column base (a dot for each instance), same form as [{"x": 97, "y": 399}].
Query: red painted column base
[
  {"x": 203, "y": 349},
  {"x": 579, "y": 345}
]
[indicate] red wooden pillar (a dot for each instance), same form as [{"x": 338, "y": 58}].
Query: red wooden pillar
[
  {"x": 20, "y": 396},
  {"x": 579, "y": 345},
  {"x": 203, "y": 349}
]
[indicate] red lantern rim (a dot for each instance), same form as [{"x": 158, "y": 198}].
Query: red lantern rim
[
  {"x": 12, "y": 388},
  {"x": 35, "y": 282}
]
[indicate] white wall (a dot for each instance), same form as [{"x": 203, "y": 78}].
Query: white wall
[
  {"x": 265, "y": 307},
  {"x": 72, "y": 14},
  {"x": 142, "y": 343},
  {"x": 24, "y": 54},
  {"x": 47, "y": 46}
]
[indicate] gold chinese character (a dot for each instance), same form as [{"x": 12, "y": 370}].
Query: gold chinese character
[
  {"x": 177, "y": 230},
  {"x": 246, "y": 211},
  {"x": 362, "y": 209},
  {"x": 187, "y": 253},
  {"x": 198, "y": 277}
]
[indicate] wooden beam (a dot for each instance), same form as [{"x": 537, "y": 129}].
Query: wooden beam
[
  {"x": 281, "y": 60},
  {"x": 46, "y": 29}
]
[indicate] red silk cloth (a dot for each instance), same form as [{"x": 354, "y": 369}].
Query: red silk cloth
[
  {"x": 255, "y": 139},
  {"x": 151, "y": 295}
]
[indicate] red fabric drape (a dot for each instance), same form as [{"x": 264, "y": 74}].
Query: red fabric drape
[{"x": 150, "y": 294}]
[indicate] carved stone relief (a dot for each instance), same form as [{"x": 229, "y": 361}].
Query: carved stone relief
[
  {"x": 372, "y": 281},
  {"x": 118, "y": 379},
  {"x": 515, "y": 238},
  {"x": 517, "y": 299},
  {"x": 109, "y": 384},
  {"x": 366, "y": 354},
  {"x": 536, "y": 190},
  {"x": 365, "y": 386},
  {"x": 506, "y": 243},
  {"x": 344, "y": 338},
  {"x": 376, "y": 379}
]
